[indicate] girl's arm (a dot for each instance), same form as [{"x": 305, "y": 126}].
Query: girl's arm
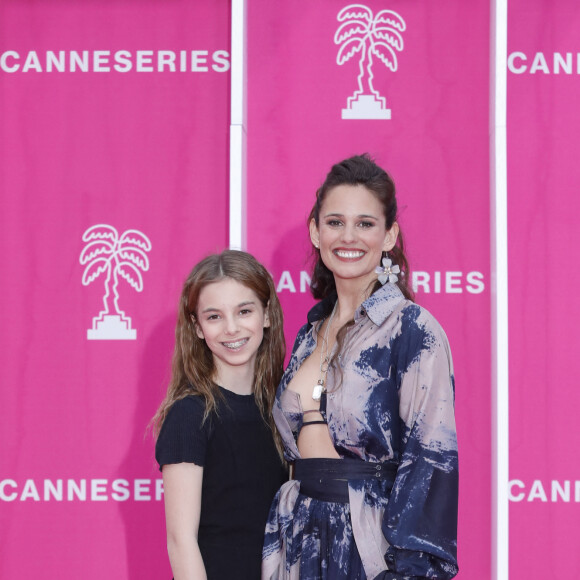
[{"x": 182, "y": 492}]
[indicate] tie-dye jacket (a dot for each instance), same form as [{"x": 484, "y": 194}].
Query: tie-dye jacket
[{"x": 392, "y": 399}]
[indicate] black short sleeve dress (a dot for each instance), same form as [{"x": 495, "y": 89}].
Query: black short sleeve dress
[{"x": 241, "y": 474}]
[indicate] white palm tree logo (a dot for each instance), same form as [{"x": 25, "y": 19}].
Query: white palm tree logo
[
  {"x": 119, "y": 257},
  {"x": 372, "y": 36}
]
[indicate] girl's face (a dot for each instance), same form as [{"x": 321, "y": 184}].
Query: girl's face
[
  {"x": 352, "y": 233},
  {"x": 231, "y": 320}
]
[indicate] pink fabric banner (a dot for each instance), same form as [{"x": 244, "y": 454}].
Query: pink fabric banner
[
  {"x": 422, "y": 110},
  {"x": 543, "y": 173},
  {"x": 114, "y": 183}
]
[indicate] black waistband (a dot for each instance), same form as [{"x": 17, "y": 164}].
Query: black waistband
[{"x": 327, "y": 479}]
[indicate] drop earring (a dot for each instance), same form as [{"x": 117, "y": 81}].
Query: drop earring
[{"x": 388, "y": 271}]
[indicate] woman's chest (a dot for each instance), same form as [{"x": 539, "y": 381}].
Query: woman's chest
[
  {"x": 361, "y": 403},
  {"x": 308, "y": 381}
]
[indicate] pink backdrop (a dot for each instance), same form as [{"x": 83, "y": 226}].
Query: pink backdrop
[
  {"x": 436, "y": 147},
  {"x": 115, "y": 114},
  {"x": 543, "y": 172},
  {"x": 138, "y": 150}
]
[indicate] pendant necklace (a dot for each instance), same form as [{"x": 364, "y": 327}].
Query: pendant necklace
[{"x": 324, "y": 358}]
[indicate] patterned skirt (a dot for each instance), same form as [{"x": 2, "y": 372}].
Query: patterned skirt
[
  {"x": 309, "y": 534},
  {"x": 313, "y": 542}
]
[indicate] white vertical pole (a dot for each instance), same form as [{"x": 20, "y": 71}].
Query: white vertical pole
[
  {"x": 499, "y": 296},
  {"x": 237, "y": 215}
]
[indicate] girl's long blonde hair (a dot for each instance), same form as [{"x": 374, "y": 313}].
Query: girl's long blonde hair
[{"x": 193, "y": 367}]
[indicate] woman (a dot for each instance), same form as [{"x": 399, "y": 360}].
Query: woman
[
  {"x": 216, "y": 447},
  {"x": 365, "y": 407}
]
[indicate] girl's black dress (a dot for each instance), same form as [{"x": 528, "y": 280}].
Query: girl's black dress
[{"x": 241, "y": 474}]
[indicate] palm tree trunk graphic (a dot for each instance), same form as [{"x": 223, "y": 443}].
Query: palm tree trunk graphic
[
  {"x": 365, "y": 77},
  {"x": 115, "y": 292},
  {"x": 113, "y": 268}
]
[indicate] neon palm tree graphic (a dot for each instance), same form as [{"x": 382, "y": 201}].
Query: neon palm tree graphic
[
  {"x": 371, "y": 36},
  {"x": 119, "y": 257}
]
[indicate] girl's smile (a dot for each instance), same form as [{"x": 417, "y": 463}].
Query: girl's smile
[
  {"x": 231, "y": 320},
  {"x": 235, "y": 345}
]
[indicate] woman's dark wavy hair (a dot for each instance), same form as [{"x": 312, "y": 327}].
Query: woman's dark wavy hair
[{"x": 359, "y": 170}]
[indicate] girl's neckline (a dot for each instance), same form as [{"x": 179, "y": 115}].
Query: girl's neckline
[{"x": 227, "y": 391}]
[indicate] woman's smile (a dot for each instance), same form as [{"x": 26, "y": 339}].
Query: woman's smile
[
  {"x": 352, "y": 233},
  {"x": 349, "y": 255}
]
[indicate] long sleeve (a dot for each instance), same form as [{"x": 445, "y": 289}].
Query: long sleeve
[{"x": 420, "y": 522}]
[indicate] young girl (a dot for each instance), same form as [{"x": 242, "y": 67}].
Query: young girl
[{"x": 215, "y": 445}]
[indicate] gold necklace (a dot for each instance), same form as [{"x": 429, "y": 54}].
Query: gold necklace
[{"x": 324, "y": 359}]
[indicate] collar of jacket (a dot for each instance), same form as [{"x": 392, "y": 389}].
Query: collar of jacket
[{"x": 378, "y": 306}]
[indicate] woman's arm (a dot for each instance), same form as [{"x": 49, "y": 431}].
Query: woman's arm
[
  {"x": 421, "y": 518},
  {"x": 182, "y": 492}
]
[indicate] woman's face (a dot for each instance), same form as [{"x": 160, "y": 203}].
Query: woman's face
[{"x": 352, "y": 233}]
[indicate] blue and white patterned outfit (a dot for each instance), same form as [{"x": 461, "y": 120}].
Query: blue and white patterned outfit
[{"x": 390, "y": 398}]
